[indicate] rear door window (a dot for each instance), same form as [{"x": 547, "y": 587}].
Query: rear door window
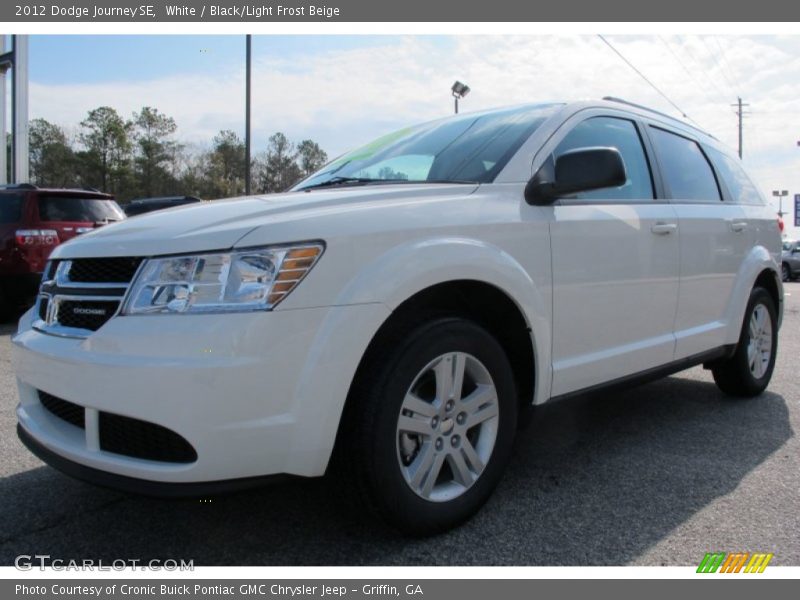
[
  {"x": 685, "y": 168},
  {"x": 11, "y": 208},
  {"x": 86, "y": 210}
]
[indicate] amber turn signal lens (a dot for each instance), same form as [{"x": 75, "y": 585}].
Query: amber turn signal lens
[
  {"x": 296, "y": 264},
  {"x": 311, "y": 252}
]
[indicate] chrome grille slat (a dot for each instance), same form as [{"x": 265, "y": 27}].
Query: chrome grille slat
[{"x": 75, "y": 300}]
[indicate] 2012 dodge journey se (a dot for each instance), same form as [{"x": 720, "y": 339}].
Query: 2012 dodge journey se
[{"x": 391, "y": 317}]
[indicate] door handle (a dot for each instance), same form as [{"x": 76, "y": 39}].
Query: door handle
[
  {"x": 664, "y": 228},
  {"x": 738, "y": 226}
]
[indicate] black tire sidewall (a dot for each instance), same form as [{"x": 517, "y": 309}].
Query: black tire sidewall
[{"x": 400, "y": 504}]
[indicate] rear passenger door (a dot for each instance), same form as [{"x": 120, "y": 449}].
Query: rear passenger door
[
  {"x": 714, "y": 240},
  {"x": 615, "y": 266}
]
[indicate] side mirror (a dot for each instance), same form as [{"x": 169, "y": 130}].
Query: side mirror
[{"x": 580, "y": 170}]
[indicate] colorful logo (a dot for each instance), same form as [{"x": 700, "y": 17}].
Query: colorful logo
[{"x": 734, "y": 562}]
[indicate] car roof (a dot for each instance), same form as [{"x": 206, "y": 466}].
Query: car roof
[
  {"x": 54, "y": 191},
  {"x": 616, "y": 104}
]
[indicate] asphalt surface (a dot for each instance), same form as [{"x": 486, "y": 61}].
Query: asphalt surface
[{"x": 654, "y": 475}]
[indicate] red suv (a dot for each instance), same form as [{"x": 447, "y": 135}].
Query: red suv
[{"x": 35, "y": 220}]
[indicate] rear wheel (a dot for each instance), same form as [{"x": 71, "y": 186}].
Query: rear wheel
[
  {"x": 433, "y": 420},
  {"x": 748, "y": 372}
]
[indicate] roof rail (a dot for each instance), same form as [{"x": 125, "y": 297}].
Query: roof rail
[
  {"x": 18, "y": 186},
  {"x": 656, "y": 112}
]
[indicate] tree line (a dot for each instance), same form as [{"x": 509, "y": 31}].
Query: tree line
[{"x": 141, "y": 157}]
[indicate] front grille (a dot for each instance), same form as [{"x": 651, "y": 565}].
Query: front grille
[
  {"x": 104, "y": 270},
  {"x": 82, "y": 294},
  {"x": 140, "y": 439},
  {"x": 125, "y": 435},
  {"x": 66, "y": 411},
  {"x": 85, "y": 314}
]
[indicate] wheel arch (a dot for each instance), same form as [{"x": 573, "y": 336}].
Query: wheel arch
[
  {"x": 758, "y": 269},
  {"x": 478, "y": 301}
]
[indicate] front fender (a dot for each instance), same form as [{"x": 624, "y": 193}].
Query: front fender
[
  {"x": 414, "y": 266},
  {"x": 367, "y": 301}
]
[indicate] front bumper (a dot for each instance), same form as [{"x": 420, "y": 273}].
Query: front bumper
[
  {"x": 255, "y": 394},
  {"x": 144, "y": 487}
]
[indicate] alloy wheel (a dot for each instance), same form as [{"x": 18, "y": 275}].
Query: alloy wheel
[
  {"x": 759, "y": 348},
  {"x": 447, "y": 427}
]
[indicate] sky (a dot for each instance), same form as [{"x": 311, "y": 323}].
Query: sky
[{"x": 344, "y": 90}]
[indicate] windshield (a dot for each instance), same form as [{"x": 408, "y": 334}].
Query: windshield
[{"x": 465, "y": 148}]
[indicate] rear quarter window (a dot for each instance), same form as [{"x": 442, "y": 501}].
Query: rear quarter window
[
  {"x": 740, "y": 186},
  {"x": 11, "y": 208},
  {"x": 87, "y": 210}
]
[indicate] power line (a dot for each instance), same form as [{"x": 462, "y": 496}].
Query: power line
[
  {"x": 727, "y": 64},
  {"x": 643, "y": 76},
  {"x": 719, "y": 65},
  {"x": 699, "y": 83},
  {"x": 685, "y": 48}
]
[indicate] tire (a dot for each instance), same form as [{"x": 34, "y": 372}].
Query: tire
[
  {"x": 786, "y": 272},
  {"x": 748, "y": 372},
  {"x": 5, "y": 308},
  {"x": 390, "y": 443}
]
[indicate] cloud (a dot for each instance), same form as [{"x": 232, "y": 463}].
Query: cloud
[{"x": 343, "y": 98}]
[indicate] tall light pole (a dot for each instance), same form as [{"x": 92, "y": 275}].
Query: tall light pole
[
  {"x": 459, "y": 91},
  {"x": 6, "y": 61},
  {"x": 780, "y": 195},
  {"x": 248, "y": 69},
  {"x": 16, "y": 60}
]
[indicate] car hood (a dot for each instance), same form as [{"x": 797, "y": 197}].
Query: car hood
[{"x": 221, "y": 224}]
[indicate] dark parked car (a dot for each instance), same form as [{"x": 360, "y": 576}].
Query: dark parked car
[
  {"x": 790, "y": 260},
  {"x": 146, "y": 205},
  {"x": 35, "y": 220}
]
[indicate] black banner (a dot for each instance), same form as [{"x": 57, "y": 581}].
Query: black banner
[
  {"x": 731, "y": 587},
  {"x": 138, "y": 11}
]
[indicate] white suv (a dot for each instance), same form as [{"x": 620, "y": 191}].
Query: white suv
[{"x": 391, "y": 317}]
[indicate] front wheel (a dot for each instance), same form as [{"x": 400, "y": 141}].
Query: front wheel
[
  {"x": 748, "y": 372},
  {"x": 786, "y": 272},
  {"x": 434, "y": 418}
]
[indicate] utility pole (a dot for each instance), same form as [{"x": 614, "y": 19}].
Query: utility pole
[
  {"x": 248, "y": 52},
  {"x": 740, "y": 113}
]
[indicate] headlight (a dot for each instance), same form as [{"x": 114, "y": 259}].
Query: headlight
[{"x": 253, "y": 279}]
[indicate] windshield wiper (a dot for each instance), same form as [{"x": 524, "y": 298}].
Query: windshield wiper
[{"x": 341, "y": 180}]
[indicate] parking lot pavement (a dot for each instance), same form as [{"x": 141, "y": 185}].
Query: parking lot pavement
[{"x": 654, "y": 475}]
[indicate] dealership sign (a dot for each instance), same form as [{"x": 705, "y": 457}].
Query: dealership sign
[{"x": 797, "y": 210}]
